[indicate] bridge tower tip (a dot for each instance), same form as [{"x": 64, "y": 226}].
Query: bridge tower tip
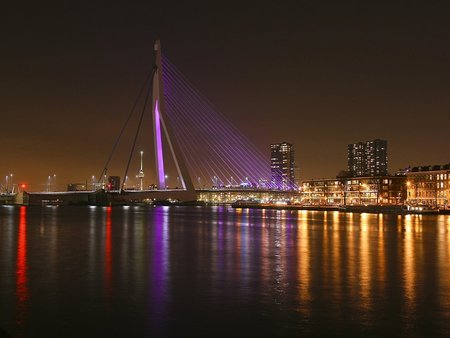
[{"x": 157, "y": 45}]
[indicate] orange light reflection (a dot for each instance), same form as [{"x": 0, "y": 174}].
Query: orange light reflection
[
  {"x": 443, "y": 247},
  {"x": 303, "y": 254},
  {"x": 409, "y": 257},
  {"x": 365, "y": 262}
]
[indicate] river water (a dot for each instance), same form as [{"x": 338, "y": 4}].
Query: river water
[{"x": 221, "y": 272}]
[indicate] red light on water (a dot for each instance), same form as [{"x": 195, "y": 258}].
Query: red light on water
[
  {"x": 21, "y": 266},
  {"x": 108, "y": 250}
]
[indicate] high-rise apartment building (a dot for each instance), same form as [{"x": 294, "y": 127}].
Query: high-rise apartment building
[
  {"x": 368, "y": 158},
  {"x": 282, "y": 164}
]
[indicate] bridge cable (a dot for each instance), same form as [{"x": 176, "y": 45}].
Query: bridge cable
[
  {"x": 229, "y": 150},
  {"x": 133, "y": 109},
  {"x": 138, "y": 127}
]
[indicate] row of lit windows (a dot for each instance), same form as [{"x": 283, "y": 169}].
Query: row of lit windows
[
  {"x": 431, "y": 177},
  {"x": 429, "y": 194},
  {"x": 427, "y": 185}
]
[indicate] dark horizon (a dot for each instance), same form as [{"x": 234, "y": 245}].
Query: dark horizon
[{"x": 320, "y": 76}]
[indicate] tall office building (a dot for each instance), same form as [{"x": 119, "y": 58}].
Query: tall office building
[
  {"x": 282, "y": 165},
  {"x": 368, "y": 158}
]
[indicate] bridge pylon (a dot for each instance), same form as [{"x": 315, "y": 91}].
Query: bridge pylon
[{"x": 161, "y": 125}]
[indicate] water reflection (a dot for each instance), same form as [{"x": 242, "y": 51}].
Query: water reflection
[
  {"x": 358, "y": 269},
  {"x": 155, "y": 270},
  {"x": 108, "y": 251},
  {"x": 160, "y": 265},
  {"x": 365, "y": 263},
  {"x": 22, "y": 292},
  {"x": 303, "y": 266},
  {"x": 443, "y": 251},
  {"x": 409, "y": 261}
]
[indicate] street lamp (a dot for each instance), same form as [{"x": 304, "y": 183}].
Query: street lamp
[{"x": 54, "y": 182}]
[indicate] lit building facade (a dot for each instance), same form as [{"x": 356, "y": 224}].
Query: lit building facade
[
  {"x": 429, "y": 186},
  {"x": 282, "y": 166},
  {"x": 368, "y": 158},
  {"x": 228, "y": 196},
  {"x": 378, "y": 190}
]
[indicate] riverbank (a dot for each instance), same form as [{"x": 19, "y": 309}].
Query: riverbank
[{"x": 371, "y": 209}]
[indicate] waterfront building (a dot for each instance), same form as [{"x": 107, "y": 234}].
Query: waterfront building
[
  {"x": 378, "y": 190},
  {"x": 226, "y": 195},
  {"x": 113, "y": 183},
  {"x": 429, "y": 186},
  {"x": 282, "y": 165},
  {"x": 367, "y": 158}
]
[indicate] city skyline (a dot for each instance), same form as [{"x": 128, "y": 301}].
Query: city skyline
[{"x": 330, "y": 75}]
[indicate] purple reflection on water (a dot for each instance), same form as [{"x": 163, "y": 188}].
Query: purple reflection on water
[{"x": 159, "y": 246}]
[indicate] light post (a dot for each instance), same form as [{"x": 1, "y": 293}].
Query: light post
[
  {"x": 54, "y": 182},
  {"x": 165, "y": 180},
  {"x": 12, "y": 184},
  {"x": 6, "y": 183}
]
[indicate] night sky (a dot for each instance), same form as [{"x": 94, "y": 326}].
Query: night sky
[{"x": 319, "y": 74}]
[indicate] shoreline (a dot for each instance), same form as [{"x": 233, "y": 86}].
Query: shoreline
[{"x": 370, "y": 209}]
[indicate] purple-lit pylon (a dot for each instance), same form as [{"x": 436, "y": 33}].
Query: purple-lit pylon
[
  {"x": 159, "y": 147},
  {"x": 160, "y": 125}
]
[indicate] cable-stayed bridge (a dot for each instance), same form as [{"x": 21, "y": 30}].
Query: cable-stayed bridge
[
  {"x": 191, "y": 136},
  {"x": 206, "y": 149}
]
